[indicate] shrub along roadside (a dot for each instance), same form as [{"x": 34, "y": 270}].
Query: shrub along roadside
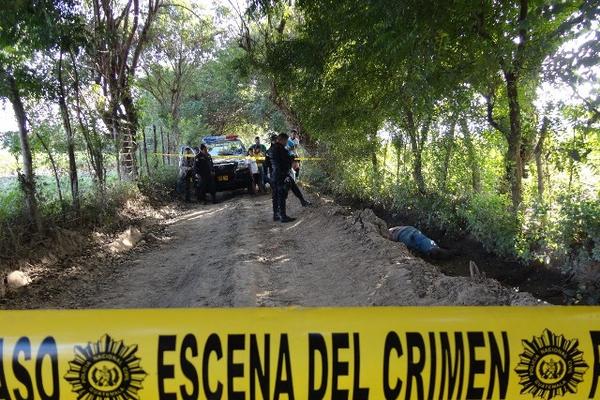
[
  {"x": 98, "y": 209},
  {"x": 161, "y": 185}
]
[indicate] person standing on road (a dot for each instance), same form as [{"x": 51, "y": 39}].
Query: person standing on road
[
  {"x": 258, "y": 151},
  {"x": 281, "y": 162},
  {"x": 205, "y": 174},
  {"x": 293, "y": 142},
  {"x": 268, "y": 166},
  {"x": 258, "y": 146},
  {"x": 293, "y": 145},
  {"x": 186, "y": 174}
]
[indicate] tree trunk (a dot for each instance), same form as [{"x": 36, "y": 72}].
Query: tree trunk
[
  {"x": 416, "y": 144},
  {"x": 398, "y": 154},
  {"x": 399, "y": 145},
  {"x": 26, "y": 179},
  {"x": 168, "y": 147},
  {"x": 571, "y": 173},
  {"x": 376, "y": 176},
  {"x": 88, "y": 162},
  {"x": 291, "y": 117},
  {"x": 384, "y": 163},
  {"x": 175, "y": 134},
  {"x": 162, "y": 144},
  {"x": 119, "y": 41},
  {"x": 98, "y": 157},
  {"x": 145, "y": 151},
  {"x": 471, "y": 156},
  {"x": 141, "y": 159},
  {"x": 418, "y": 168},
  {"x": 55, "y": 171},
  {"x": 62, "y": 102},
  {"x": 513, "y": 157},
  {"x": 128, "y": 140},
  {"x": 94, "y": 147},
  {"x": 539, "y": 162},
  {"x": 155, "y": 146},
  {"x": 116, "y": 141},
  {"x": 172, "y": 138},
  {"x": 449, "y": 147}
]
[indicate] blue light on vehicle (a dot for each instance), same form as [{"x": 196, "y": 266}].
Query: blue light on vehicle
[{"x": 213, "y": 139}]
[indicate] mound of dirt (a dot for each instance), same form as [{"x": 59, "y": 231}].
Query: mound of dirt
[
  {"x": 126, "y": 240},
  {"x": 429, "y": 285}
]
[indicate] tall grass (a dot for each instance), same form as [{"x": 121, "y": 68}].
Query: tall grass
[{"x": 97, "y": 207}]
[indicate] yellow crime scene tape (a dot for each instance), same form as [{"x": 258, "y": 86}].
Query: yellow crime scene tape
[{"x": 317, "y": 353}]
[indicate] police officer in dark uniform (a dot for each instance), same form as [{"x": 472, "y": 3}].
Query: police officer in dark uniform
[
  {"x": 205, "y": 174},
  {"x": 268, "y": 167},
  {"x": 186, "y": 173},
  {"x": 281, "y": 163}
]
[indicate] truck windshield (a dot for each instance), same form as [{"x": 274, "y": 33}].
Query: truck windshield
[{"x": 229, "y": 148}]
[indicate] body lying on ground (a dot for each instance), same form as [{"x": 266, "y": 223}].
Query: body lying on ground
[{"x": 414, "y": 239}]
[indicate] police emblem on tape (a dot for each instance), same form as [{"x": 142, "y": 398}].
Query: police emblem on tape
[
  {"x": 550, "y": 366},
  {"x": 106, "y": 369}
]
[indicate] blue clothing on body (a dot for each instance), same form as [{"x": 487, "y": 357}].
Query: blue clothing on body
[{"x": 412, "y": 238}]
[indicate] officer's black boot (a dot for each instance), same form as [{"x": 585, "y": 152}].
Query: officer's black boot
[
  {"x": 284, "y": 217},
  {"x": 287, "y": 219}
]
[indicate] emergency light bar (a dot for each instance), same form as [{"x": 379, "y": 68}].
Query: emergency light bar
[
  {"x": 212, "y": 139},
  {"x": 218, "y": 139}
]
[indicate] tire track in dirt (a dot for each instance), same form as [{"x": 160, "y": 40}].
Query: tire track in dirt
[{"x": 183, "y": 271}]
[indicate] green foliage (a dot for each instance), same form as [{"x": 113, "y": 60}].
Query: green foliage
[
  {"x": 580, "y": 223},
  {"x": 11, "y": 199},
  {"x": 161, "y": 185},
  {"x": 489, "y": 220},
  {"x": 220, "y": 97},
  {"x": 98, "y": 208},
  {"x": 26, "y": 27},
  {"x": 10, "y": 142}
]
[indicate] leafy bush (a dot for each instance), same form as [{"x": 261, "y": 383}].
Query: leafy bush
[
  {"x": 11, "y": 199},
  {"x": 490, "y": 221},
  {"x": 11, "y": 215},
  {"x": 580, "y": 222},
  {"x": 97, "y": 208},
  {"x": 161, "y": 184}
]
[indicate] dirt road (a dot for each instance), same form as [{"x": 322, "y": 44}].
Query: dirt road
[{"x": 231, "y": 254}]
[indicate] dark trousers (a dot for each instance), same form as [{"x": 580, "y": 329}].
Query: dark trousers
[
  {"x": 261, "y": 178},
  {"x": 206, "y": 184},
  {"x": 280, "y": 193},
  {"x": 185, "y": 184},
  {"x": 296, "y": 191}
]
